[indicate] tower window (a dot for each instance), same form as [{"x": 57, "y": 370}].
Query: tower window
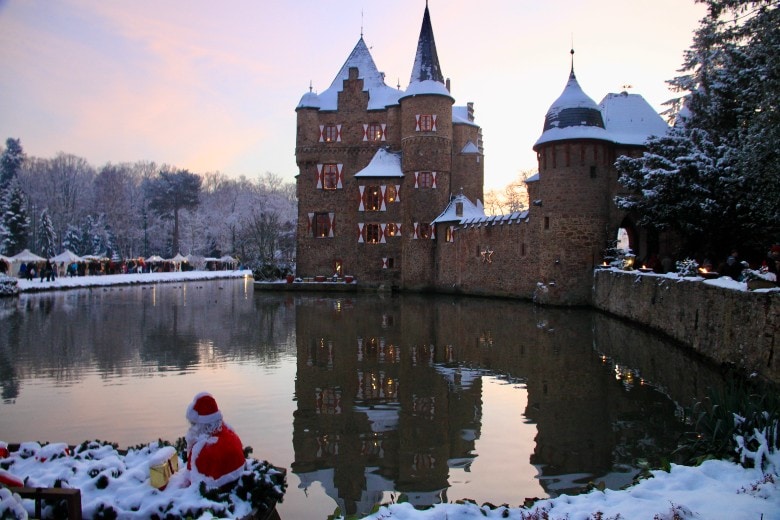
[
  {"x": 330, "y": 176},
  {"x": 321, "y": 225},
  {"x": 425, "y": 122},
  {"x": 546, "y": 222},
  {"x": 424, "y": 230},
  {"x": 375, "y": 132},
  {"x": 425, "y": 180},
  {"x": 391, "y": 194}
]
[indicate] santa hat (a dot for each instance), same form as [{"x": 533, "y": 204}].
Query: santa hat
[{"x": 203, "y": 409}]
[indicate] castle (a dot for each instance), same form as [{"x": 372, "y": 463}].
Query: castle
[{"x": 390, "y": 186}]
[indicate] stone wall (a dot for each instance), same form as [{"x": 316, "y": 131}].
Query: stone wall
[{"x": 731, "y": 327}]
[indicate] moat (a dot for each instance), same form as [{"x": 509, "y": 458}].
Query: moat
[{"x": 365, "y": 398}]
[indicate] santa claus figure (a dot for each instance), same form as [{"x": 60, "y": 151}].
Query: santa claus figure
[{"x": 215, "y": 454}]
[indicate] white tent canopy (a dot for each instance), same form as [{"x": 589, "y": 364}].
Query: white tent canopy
[
  {"x": 179, "y": 258},
  {"x": 155, "y": 258},
  {"x": 67, "y": 257},
  {"x": 27, "y": 256}
]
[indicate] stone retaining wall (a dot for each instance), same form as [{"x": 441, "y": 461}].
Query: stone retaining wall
[{"x": 730, "y": 327}]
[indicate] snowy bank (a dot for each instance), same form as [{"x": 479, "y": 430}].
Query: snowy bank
[
  {"x": 715, "y": 490},
  {"x": 78, "y": 282}
]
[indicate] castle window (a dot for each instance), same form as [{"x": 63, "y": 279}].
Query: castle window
[
  {"x": 391, "y": 193},
  {"x": 592, "y": 172},
  {"x": 425, "y": 180},
  {"x": 330, "y": 176},
  {"x": 331, "y": 133},
  {"x": 425, "y": 123},
  {"x": 450, "y": 235},
  {"x": 546, "y": 222},
  {"x": 388, "y": 263},
  {"x": 373, "y": 198},
  {"x": 424, "y": 230},
  {"x": 323, "y": 225},
  {"x": 374, "y": 132},
  {"x": 458, "y": 209},
  {"x": 373, "y": 233},
  {"x": 391, "y": 230}
]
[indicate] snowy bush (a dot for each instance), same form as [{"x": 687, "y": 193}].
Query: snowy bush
[
  {"x": 687, "y": 267},
  {"x": 8, "y": 286}
]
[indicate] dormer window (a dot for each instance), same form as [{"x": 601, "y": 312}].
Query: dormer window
[{"x": 458, "y": 209}]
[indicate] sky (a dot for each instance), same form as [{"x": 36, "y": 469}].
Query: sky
[{"x": 212, "y": 86}]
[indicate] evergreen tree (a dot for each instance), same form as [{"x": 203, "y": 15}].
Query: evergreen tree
[
  {"x": 713, "y": 179},
  {"x": 11, "y": 161},
  {"x": 72, "y": 240},
  {"x": 47, "y": 239},
  {"x": 169, "y": 193},
  {"x": 16, "y": 222}
]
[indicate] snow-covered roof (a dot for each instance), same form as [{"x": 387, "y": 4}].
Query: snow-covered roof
[
  {"x": 460, "y": 115},
  {"x": 620, "y": 118},
  {"x": 533, "y": 178},
  {"x": 383, "y": 164},
  {"x": 630, "y": 119},
  {"x": 380, "y": 95},
  {"x": 427, "y": 86},
  {"x": 468, "y": 210},
  {"x": 470, "y": 147}
]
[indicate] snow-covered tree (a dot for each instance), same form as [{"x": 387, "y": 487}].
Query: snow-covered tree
[
  {"x": 16, "y": 222},
  {"x": 47, "y": 238},
  {"x": 11, "y": 161},
  {"x": 714, "y": 178},
  {"x": 72, "y": 240}
]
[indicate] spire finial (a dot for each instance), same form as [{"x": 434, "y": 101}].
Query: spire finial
[
  {"x": 311, "y": 87},
  {"x": 572, "y": 53},
  {"x": 361, "y": 23}
]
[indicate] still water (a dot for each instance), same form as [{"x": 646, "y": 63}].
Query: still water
[{"x": 363, "y": 398}]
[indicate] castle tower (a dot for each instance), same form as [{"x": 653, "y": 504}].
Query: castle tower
[
  {"x": 571, "y": 201},
  {"x": 426, "y": 143}
]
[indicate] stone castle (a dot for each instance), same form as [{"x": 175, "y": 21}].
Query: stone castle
[{"x": 390, "y": 186}]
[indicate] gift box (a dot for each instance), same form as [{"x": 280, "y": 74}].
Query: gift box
[{"x": 164, "y": 464}]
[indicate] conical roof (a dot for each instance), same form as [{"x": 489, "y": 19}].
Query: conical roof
[
  {"x": 426, "y": 61},
  {"x": 574, "y": 115}
]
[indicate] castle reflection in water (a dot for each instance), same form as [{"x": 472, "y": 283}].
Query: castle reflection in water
[{"x": 389, "y": 393}]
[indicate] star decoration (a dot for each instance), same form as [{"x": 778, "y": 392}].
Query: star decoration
[{"x": 487, "y": 256}]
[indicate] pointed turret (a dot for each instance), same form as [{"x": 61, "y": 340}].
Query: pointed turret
[
  {"x": 426, "y": 62},
  {"x": 573, "y": 115}
]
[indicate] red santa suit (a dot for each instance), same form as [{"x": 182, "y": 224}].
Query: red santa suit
[{"x": 215, "y": 453}]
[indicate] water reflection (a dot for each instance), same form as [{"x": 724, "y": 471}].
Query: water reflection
[{"x": 370, "y": 397}]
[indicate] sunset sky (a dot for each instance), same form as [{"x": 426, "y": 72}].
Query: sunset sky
[{"x": 212, "y": 86}]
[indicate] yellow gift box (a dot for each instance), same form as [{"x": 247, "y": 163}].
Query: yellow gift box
[{"x": 164, "y": 464}]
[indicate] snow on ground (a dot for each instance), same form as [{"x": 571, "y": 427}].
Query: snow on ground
[{"x": 125, "y": 279}]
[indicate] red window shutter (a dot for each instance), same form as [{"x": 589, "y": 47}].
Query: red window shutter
[
  {"x": 433, "y": 179},
  {"x": 361, "y": 233},
  {"x": 332, "y": 217},
  {"x": 384, "y": 134},
  {"x": 433, "y": 125},
  {"x": 383, "y": 207},
  {"x": 398, "y": 193},
  {"x": 416, "y": 123},
  {"x": 382, "y": 229},
  {"x": 340, "y": 181},
  {"x": 338, "y": 131},
  {"x": 322, "y": 133},
  {"x": 365, "y": 132},
  {"x": 398, "y": 229},
  {"x": 433, "y": 231},
  {"x": 384, "y": 263},
  {"x": 319, "y": 177},
  {"x": 362, "y": 205},
  {"x": 311, "y": 223},
  {"x": 416, "y": 179},
  {"x": 416, "y": 230}
]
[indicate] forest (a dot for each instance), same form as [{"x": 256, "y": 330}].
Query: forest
[{"x": 133, "y": 210}]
